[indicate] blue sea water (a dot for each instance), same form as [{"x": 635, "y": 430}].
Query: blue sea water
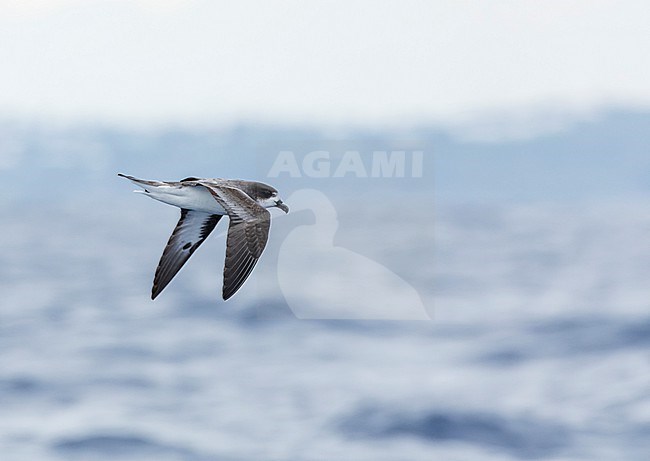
[
  {"x": 538, "y": 348},
  {"x": 535, "y": 274}
]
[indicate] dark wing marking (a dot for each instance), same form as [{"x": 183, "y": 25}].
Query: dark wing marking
[
  {"x": 190, "y": 232},
  {"x": 247, "y": 235}
]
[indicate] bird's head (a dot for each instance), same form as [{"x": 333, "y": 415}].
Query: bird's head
[{"x": 268, "y": 197}]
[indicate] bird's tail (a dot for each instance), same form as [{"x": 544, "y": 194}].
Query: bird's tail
[{"x": 144, "y": 183}]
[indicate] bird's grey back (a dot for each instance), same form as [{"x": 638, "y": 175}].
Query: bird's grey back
[{"x": 255, "y": 190}]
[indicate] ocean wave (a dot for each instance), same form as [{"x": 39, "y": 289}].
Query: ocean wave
[
  {"x": 523, "y": 437},
  {"x": 122, "y": 446}
]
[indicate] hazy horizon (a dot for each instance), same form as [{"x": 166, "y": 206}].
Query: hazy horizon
[{"x": 357, "y": 62}]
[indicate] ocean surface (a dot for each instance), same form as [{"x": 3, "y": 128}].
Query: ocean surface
[{"x": 538, "y": 347}]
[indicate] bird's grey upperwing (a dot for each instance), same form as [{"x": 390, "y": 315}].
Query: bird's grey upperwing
[
  {"x": 190, "y": 232},
  {"x": 248, "y": 233}
]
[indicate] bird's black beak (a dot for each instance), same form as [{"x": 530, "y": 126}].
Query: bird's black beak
[{"x": 280, "y": 204}]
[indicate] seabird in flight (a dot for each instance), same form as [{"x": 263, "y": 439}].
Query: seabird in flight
[{"x": 203, "y": 202}]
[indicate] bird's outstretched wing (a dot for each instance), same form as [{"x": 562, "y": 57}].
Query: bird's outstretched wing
[
  {"x": 247, "y": 235},
  {"x": 190, "y": 232}
]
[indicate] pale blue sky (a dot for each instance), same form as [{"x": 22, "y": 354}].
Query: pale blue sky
[{"x": 359, "y": 61}]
